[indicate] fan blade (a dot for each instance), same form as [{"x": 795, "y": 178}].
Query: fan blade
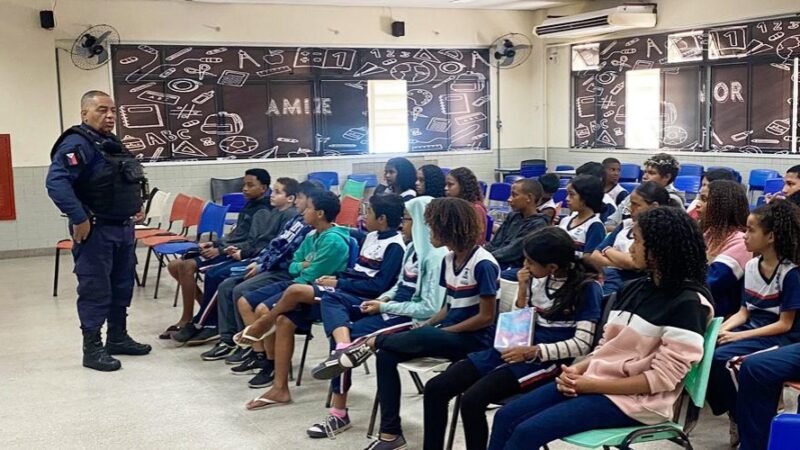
[
  {"x": 83, "y": 52},
  {"x": 103, "y": 37},
  {"x": 521, "y": 47},
  {"x": 506, "y": 62},
  {"x": 102, "y": 57}
]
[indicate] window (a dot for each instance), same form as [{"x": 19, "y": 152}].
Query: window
[
  {"x": 642, "y": 126},
  {"x": 388, "y": 116}
]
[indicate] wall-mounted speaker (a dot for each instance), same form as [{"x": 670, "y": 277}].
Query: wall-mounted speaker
[
  {"x": 47, "y": 20},
  {"x": 398, "y": 29}
]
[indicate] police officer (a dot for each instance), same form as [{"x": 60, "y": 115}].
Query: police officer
[{"x": 100, "y": 186}]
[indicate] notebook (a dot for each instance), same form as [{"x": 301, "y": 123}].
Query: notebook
[{"x": 514, "y": 329}]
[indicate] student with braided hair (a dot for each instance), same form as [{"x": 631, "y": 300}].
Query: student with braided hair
[
  {"x": 723, "y": 209},
  {"x": 770, "y": 300},
  {"x": 653, "y": 336}
]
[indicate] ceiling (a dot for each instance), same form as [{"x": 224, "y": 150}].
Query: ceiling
[{"x": 462, "y": 4}]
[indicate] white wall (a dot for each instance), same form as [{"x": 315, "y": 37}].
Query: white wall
[{"x": 30, "y": 96}]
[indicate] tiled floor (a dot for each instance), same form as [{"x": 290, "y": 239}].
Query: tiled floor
[{"x": 170, "y": 398}]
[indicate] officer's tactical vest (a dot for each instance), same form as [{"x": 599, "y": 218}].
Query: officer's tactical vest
[{"x": 117, "y": 187}]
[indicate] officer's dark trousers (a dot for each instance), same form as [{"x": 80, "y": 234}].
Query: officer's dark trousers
[{"x": 104, "y": 265}]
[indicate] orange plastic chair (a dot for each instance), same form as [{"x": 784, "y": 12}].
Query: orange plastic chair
[
  {"x": 348, "y": 213},
  {"x": 64, "y": 244},
  {"x": 177, "y": 213},
  {"x": 194, "y": 209}
]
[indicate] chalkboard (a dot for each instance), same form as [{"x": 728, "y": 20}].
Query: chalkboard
[
  {"x": 209, "y": 102},
  {"x": 749, "y": 89}
]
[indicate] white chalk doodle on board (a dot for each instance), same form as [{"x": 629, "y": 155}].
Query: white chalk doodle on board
[
  {"x": 169, "y": 135},
  {"x": 186, "y": 148},
  {"x": 606, "y": 78},
  {"x": 238, "y": 145},
  {"x": 608, "y": 48},
  {"x": 142, "y": 87},
  {"x": 765, "y": 141},
  {"x": 178, "y": 54},
  {"x": 141, "y": 116},
  {"x": 335, "y": 58},
  {"x": 216, "y": 51},
  {"x": 202, "y": 98},
  {"x": 414, "y": 73},
  {"x": 621, "y": 63},
  {"x": 427, "y": 147},
  {"x": 607, "y": 102},
  {"x": 618, "y": 131},
  {"x": 642, "y": 64},
  {"x": 451, "y": 67},
  {"x": 233, "y": 78},
  {"x": 355, "y": 134},
  {"x": 183, "y": 85},
  {"x": 157, "y": 154},
  {"x": 631, "y": 42},
  {"x": 133, "y": 143},
  {"x": 722, "y": 93},
  {"x": 368, "y": 69},
  {"x": 389, "y": 62},
  {"x": 652, "y": 46},
  {"x": 375, "y": 52},
  {"x": 788, "y": 48},
  {"x": 300, "y": 152},
  {"x": 274, "y": 71},
  {"x": 617, "y": 88},
  {"x": 605, "y": 138},
  {"x": 619, "y": 116},
  {"x": 405, "y": 54},
  {"x": 426, "y": 55},
  {"x": 356, "y": 85},
  {"x": 452, "y": 53},
  {"x": 154, "y": 139},
  {"x": 469, "y": 82},
  {"x": 470, "y": 118},
  {"x": 480, "y": 101},
  {"x": 222, "y": 123},
  {"x": 420, "y": 97},
  {"x": 183, "y": 133},
  {"x": 674, "y": 135},
  {"x": 476, "y": 56},
  {"x": 727, "y": 42},
  {"x": 415, "y": 132},
  {"x": 245, "y": 57},
  {"x": 390, "y": 53},
  {"x": 202, "y": 71},
  {"x": 582, "y": 131},
  {"x": 438, "y": 125},
  {"x": 167, "y": 73},
  {"x": 266, "y": 153},
  {"x": 454, "y": 104},
  {"x": 128, "y": 60},
  {"x": 778, "y": 127},
  {"x": 416, "y": 141},
  {"x": 274, "y": 57},
  {"x": 776, "y": 36},
  {"x": 443, "y": 82},
  {"x": 585, "y": 106},
  {"x": 464, "y": 133},
  {"x": 186, "y": 111},
  {"x": 740, "y": 136},
  {"x": 287, "y": 140},
  {"x": 190, "y": 123},
  {"x": 416, "y": 113},
  {"x": 207, "y": 141}
]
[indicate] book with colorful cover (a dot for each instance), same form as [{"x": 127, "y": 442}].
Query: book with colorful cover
[{"x": 514, "y": 329}]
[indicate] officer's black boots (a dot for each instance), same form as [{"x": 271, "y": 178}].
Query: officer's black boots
[
  {"x": 118, "y": 342},
  {"x": 95, "y": 355}
]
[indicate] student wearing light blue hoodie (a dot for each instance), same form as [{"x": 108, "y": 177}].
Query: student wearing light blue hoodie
[{"x": 415, "y": 297}]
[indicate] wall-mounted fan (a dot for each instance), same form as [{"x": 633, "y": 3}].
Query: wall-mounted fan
[
  {"x": 508, "y": 51},
  {"x": 91, "y": 49}
]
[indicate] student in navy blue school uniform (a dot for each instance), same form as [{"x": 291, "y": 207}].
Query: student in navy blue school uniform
[
  {"x": 401, "y": 178},
  {"x": 547, "y": 206},
  {"x": 470, "y": 276},
  {"x": 770, "y": 300},
  {"x": 613, "y": 254},
  {"x": 566, "y": 296},
  {"x": 723, "y": 209},
  {"x": 99, "y": 186},
  {"x": 585, "y": 200},
  {"x": 761, "y": 380},
  {"x": 598, "y": 170},
  {"x": 298, "y": 307},
  {"x": 611, "y": 187}
]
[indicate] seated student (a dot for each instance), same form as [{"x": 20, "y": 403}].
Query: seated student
[
  {"x": 506, "y": 245},
  {"x": 415, "y": 297},
  {"x": 430, "y": 181},
  {"x": 465, "y": 323},
  {"x": 791, "y": 184},
  {"x": 566, "y": 295},
  {"x": 267, "y": 224},
  {"x": 613, "y": 254},
  {"x": 401, "y": 178},
  {"x": 463, "y": 184},
  {"x": 596, "y": 169},
  {"x": 297, "y": 307},
  {"x": 324, "y": 251},
  {"x": 661, "y": 168},
  {"x": 723, "y": 211},
  {"x": 761, "y": 380},
  {"x": 770, "y": 300},
  {"x": 615, "y": 192},
  {"x": 547, "y": 206},
  {"x": 708, "y": 177},
  {"x": 270, "y": 266},
  {"x": 585, "y": 200},
  {"x": 653, "y": 335},
  {"x": 256, "y": 183}
]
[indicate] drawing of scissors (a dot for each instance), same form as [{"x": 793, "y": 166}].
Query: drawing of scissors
[{"x": 201, "y": 71}]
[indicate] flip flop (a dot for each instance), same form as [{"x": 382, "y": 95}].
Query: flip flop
[
  {"x": 237, "y": 338},
  {"x": 167, "y": 334},
  {"x": 264, "y": 403}
]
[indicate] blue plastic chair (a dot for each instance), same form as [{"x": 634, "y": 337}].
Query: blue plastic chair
[
  {"x": 563, "y": 182},
  {"x": 784, "y": 431},
  {"x": 630, "y": 172},
  {"x": 355, "y": 251},
  {"x": 532, "y": 171},
  {"x": 691, "y": 169},
  {"x": 564, "y": 167},
  {"x": 483, "y": 186},
  {"x": 511, "y": 179},
  {"x": 500, "y": 192},
  {"x": 688, "y": 183},
  {"x": 329, "y": 179},
  {"x": 759, "y": 177},
  {"x": 445, "y": 170},
  {"x": 234, "y": 201},
  {"x": 628, "y": 186},
  {"x": 489, "y": 226},
  {"x": 560, "y": 196},
  {"x": 773, "y": 186},
  {"x": 736, "y": 175},
  {"x": 370, "y": 178}
]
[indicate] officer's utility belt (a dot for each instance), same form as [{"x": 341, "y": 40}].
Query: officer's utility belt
[{"x": 99, "y": 221}]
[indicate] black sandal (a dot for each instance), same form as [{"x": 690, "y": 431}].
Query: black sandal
[{"x": 167, "y": 334}]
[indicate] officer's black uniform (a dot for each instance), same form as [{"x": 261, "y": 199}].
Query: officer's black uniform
[{"x": 93, "y": 177}]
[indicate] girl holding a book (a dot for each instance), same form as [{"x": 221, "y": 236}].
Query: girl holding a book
[{"x": 565, "y": 296}]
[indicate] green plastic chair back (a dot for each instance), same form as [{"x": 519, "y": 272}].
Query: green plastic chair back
[
  {"x": 354, "y": 188},
  {"x": 696, "y": 381}
]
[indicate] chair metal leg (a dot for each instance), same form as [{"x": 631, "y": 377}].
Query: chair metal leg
[
  {"x": 451, "y": 435},
  {"x": 158, "y": 276},
  {"x": 309, "y": 336},
  {"x": 372, "y": 417},
  {"x": 417, "y": 382},
  {"x": 55, "y": 276},
  {"x": 366, "y": 367},
  {"x": 330, "y": 396},
  {"x": 146, "y": 266},
  {"x": 175, "y": 300}
]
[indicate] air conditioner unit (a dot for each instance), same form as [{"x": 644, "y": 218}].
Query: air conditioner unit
[{"x": 625, "y": 17}]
